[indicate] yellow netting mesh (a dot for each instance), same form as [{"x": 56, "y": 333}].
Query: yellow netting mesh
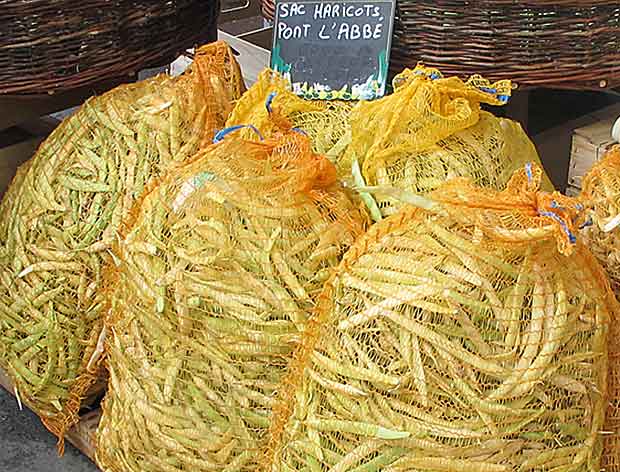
[
  {"x": 64, "y": 216},
  {"x": 432, "y": 129},
  {"x": 325, "y": 122},
  {"x": 468, "y": 337},
  {"x": 214, "y": 282},
  {"x": 601, "y": 192}
]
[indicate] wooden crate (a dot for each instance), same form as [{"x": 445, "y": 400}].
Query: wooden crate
[
  {"x": 572, "y": 191},
  {"x": 590, "y": 142}
]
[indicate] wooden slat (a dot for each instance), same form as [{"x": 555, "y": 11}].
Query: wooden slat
[
  {"x": 554, "y": 145},
  {"x": 82, "y": 435}
]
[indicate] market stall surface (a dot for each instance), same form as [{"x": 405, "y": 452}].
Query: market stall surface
[{"x": 25, "y": 444}]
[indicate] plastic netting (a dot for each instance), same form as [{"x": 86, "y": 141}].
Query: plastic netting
[
  {"x": 469, "y": 336},
  {"x": 214, "y": 283},
  {"x": 601, "y": 192},
  {"x": 325, "y": 122},
  {"x": 432, "y": 129},
  {"x": 59, "y": 223},
  {"x": 601, "y": 188}
]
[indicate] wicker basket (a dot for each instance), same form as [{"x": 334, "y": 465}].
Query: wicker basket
[
  {"x": 563, "y": 43},
  {"x": 61, "y": 45}
]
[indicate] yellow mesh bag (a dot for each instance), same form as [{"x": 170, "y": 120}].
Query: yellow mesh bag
[
  {"x": 59, "y": 223},
  {"x": 432, "y": 129},
  {"x": 601, "y": 191},
  {"x": 325, "y": 122},
  {"x": 468, "y": 336},
  {"x": 214, "y": 283}
]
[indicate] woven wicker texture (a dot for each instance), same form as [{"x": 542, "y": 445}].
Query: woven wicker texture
[
  {"x": 565, "y": 44},
  {"x": 214, "y": 284},
  {"x": 432, "y": 129},
  {"x": 468, "y": 337},
  {"x": 55, "y": 46},
  {"x": 601, "y": 192},
  {"x": 325, "y": 122},
  {"x": 78, "y": 188}
]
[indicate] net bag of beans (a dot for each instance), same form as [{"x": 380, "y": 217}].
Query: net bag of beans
[
  {"x": 60, "y": 219},
  {"x": 601, "y": 193},
  {"x": 432, "y": 129},
  {"x": 214, "y": 283},
  {"x": 601, "y": 189},
  {"x": 469, "y": 335},
  {"x": 325, "y": 122}
]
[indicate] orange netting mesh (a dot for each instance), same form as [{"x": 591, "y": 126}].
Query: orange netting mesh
[
  {"x": 601, "y": 192},
  {"x": 468, "y": 337},
  {"x": 59, "y": 223},
  {"x": 214, "y": 282},
  {"x": 601, "y": 188},
  {"x": 432, "y": 129},
  {"x": 325, "y": 122}
]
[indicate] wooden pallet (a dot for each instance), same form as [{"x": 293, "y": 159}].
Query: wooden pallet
[{"x": 82, "y": 435}]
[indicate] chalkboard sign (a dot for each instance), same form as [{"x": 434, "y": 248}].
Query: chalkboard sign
[{"x": 334, "y": 50}]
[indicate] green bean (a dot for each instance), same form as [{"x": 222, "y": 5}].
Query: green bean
[
  {"x": 440, "y": 464},
  {"x": 81, "y": 185},
  {"x": 356, "y": 455},
  {"x": 359, "y": 373},
  {"x": 345, "y": 389},
  {"x": 357, "y": 428},
  {"x": 28, "y": 342},
  {"x": 385, "y": 458}
]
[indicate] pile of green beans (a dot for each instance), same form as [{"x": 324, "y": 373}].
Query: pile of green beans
[
  {"x": 214, "y": 284},
  {"x": 60, "y": 220},
  {"x": 456, "y": 340}
]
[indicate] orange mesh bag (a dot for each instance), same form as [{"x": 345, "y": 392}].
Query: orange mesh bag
[
  {"x": 60, "y": 221},
  {"x": 601, "y": 191},
  {"x": 325, "y": 122},
  {"x": 214, "y": 282},
  {"x": 432, "y": 129},
  {"x": 467, "y": 336}
]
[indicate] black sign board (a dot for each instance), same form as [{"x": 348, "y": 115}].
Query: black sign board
[{"x": 334, "y": 50}]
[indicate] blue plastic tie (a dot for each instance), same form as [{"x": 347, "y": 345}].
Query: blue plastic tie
[
  {"x": 220, "y": 135},
  {"x": 488, "y": 90},
  {"x": 503, "y": 98},
  {"x": 550, "y": 214},
  {"x": 300, "y": 131},
  {"x": 528, "y": 171},
  {"x": 434, "y": 76},
  {"x": 270, "y": 98},
  {"x": 587, "y": 223}
]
